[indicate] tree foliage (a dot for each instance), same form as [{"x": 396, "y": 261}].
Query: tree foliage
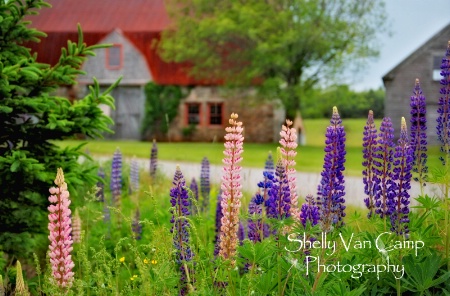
[
  {"x": 289, "y": 45},
  {"x": 30, "y": 118}
]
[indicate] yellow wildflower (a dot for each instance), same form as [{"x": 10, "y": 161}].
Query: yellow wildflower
[
  {"x": 154, "y": 262},
  {"x": 145, "y": 261},
  {"x": 135, "y": 276},
  {"x": 122, "y": 259}
]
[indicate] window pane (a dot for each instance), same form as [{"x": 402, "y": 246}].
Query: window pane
[
  {"x": 193, "y": 113},
  {"x": 215, "y": 114},
  {"x": 114, "y": 54}
]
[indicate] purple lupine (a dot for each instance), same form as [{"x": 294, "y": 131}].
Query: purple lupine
[
  {"x": 403, "y": 160},
  {"x": 136, "y": 227},
  {"x": 278, "y": 204},
  {"x": 134, "y": 175},
  {"x": 257, "y": 229},
  {"x": 194, "y": 189},
  {"x": 218, "y": 223},
  {"x": 331, "y": 188},
  {"x": 309, "y": 211},
  {"x": 369, "y": 149},
  {"x": 205, "y": 187},
  {"x": 419, "y": 134},
  {"x": 116, "y": 177},
  {"x": 241, "y": 233},
  {"x": 180, "y": 229},
  {"x": 443, "y": 120},
  {"x": 384, "y": 157},
  {"x": 269, "y": 165},
  {"x": 101, "y": 185},
  {"x": 153, "y": 159}
]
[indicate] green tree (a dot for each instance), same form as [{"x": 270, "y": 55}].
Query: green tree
[
  {"x": 288, "y": 45},
  {"x": 30, "y": 118}
]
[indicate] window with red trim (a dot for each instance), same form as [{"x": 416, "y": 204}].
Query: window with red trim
[
  {"x": 193, "y": 113},
  {"x": 114, "y": 57},
  {"x": 215, "y": 113}
]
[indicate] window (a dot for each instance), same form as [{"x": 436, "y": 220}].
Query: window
[
  {"x": 437, "y": 68},
  {"x": 114, "y": 57},
  {"x": 215, "y": 113},
  {"x": 193, "y": 113}
]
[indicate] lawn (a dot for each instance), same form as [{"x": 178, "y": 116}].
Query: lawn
[{"x": 309, "y": 157}]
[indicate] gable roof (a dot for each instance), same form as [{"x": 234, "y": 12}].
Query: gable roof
[
  {"x": 141, "y": 21},
  {"x": 444, "y": 32}
]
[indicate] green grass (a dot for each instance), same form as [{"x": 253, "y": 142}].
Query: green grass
[{"x": 309, "y": 158}]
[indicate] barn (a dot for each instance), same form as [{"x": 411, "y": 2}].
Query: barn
[
  {"x": 133, "y": 27},
  {"x": 424, "y": 64}
]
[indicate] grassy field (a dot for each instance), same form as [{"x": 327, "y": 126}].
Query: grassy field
[{"x": 309, "y": 157}]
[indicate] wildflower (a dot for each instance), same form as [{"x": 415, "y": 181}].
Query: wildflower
[
  {"x": 331, "y": 188},
  {"x": 116, "y": 177},
  {"x": 146, "y": 261},
  {"x": 231, "y": 187},
  {"x": 136, "y": 227},
  {"x": 134, "y": 175},
  {"x": 403, "y": 159},
  {"x": 384, "y": 157},
  {"x": 154, "y": 262},
  {"x": 288, "y": 143},
  {"x": 194, "y": 189},
  {"x": 76, "y": 227},
  {"x": 21, "y": 288},
  {"x": 369, "y": 149},
  {"x": 153, "y": 159},
  {"x": 122, "y": 259},
  {"x": 60, "y": 239},
  {"x": 268, "y": 175},
  {"x": 219, "y": 216},
  {"x": 257, "y": 230},
  {"x": 419, "y": 133},
  {"x": 309, "y": 211},
  {"x": 180, "y": 228},
  {"x": 443, "y": 120},
  {"x": 205, "y": 187},
  {"x": 279, "y": 203}
]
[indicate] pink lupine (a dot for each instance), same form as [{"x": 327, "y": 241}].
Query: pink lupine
[
  {"x": 60, "y": 238},
  {"x": 231, "y": 189},
  {"x": 288, "y": 143}
]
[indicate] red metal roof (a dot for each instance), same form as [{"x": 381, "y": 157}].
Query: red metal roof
[{"x": 141, "y": 21}]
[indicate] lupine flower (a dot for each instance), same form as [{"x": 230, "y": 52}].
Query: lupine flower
[
  {"x": 288, "y": 143},
  {"x": 194, "y": 189},
  {"x": 76, "y": 227},
  {"x": 219, "y": 216},
  {"x": 309, "y": 211},
  {"x": 21, "y": 288},
  {"x": 268, "y": 175},
  {"x": 369, "y": 149},
  {"x": 331, "y": 189},
  {"x": 384, "y": 157},
  {"x": 257, "y": 230},
  {"x": 60, "y": 239},
  {"x": 231, "y": 189},
  {"x": 101, "y": 185},
  {"x": 153, "y": 159},
  {"x": 403, "y": 159},
  {"x": 241, "y": 233},
  {"x": 136, "y": 227},
  {"x": 419, "y": 133},
  {"x": 443, "y": 120},
  {"x": 134, "y": 175},
  {"x": 180, "y": 229},
  {"x": 278, "y": 204},
  {"x": 116, "y": 177},
  {"x": 205, "y": 187}
]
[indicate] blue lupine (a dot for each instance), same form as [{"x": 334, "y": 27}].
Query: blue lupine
[
  {"x": 205, "y": 187},
  {"x": 136, "y": 227},
  {"x": 153, "y": 159},
  {"x": 101, "y": 185},
  {"x": 194, "y": 189},
  {"x": 218, "y": 223},
  {"x": 116, "y": 177},
  {"x": 384, "y": 157},
  {"x": 180, "y": 229},
  {"x": 279, "y": 203},
  {"x": 241, "y": 233},
  {"x": 369, "y": 149},
  {"x": 134, "y": 175},
  {"x": 268, "y": 175},
  {"x": 443, "y": 120},
  {"x": 331, "y": 188},
  {"x": 309, "y": 211},
  {"x": 418, "y": 139},
  {"x": 399, "y": 205},
  {"x": 257, "y": 230}
]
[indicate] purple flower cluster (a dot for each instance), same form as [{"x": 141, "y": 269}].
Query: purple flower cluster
[
  {"x": 384, "y": 157},
  {"x": 309, "y": 211},
  {"x": 241, "y": 233},
  {"x": 399, "y": 205},
  {"x": 418, "y": 139},
  {"x": 443, "y": 120},
  {"x": 180, "y": 229},
  {"x": 369, "y": 149},
  {"x": 194, "y": 188},
  {"x": 268, "y": 176},
  {"x": 218, "y": 223},
  {"x": 136, "y": 227},
  {"x": 153, "y": 159},
  {"x": 205, "y": 187},
  {"x": 279, "y": 202},
  {"x": 116, "y": 176},
  {"x": 331, "y": 188},
  {"x": 134, "y": 175},
  {"x": 257, "y": 229}
]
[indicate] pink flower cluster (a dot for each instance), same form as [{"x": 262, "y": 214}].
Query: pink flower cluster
[
  {"x": 231, "y": 189},
  {"x": 288, "y": 143},
  {"x": 60, "y": 239}
]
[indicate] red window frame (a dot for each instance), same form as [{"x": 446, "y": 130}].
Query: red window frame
[
  {"x": 114, "y": 55},
  {"x": 215, "y": 117},
  {"x": 188, "y": 114}
]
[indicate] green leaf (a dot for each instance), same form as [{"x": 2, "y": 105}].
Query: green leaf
[{"x": 15, "y": 166}]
